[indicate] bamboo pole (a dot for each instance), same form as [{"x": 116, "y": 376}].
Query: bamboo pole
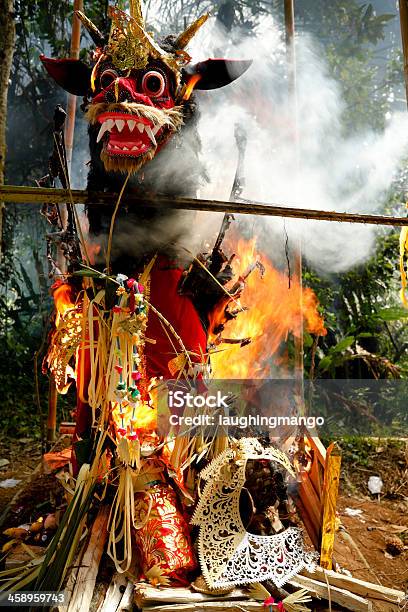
[
  {"x": 52, "y": 412},
  {"x": 71, "y": 105},
  {"x": 346, "y": 599},
  {"x": 403, "y": 9},
  {"x": 289, "y": 11},
  {"x": 69, "y": 143},
  {"x": 289, "y": 8},
  {"x": 36, "y": 195}
]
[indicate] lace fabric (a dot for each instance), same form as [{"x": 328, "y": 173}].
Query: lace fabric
[{"x": 229, "y": 555}]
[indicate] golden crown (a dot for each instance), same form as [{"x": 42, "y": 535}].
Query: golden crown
[{"x": 131, "y": 46}]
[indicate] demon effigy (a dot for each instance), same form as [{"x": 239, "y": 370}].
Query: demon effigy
[{"x": 143, "y": 315}]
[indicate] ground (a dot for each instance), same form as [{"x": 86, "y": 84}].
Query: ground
[
  {"x": 22, "y": 455},
  {"x": 369, "y": 530},
  {"x": 380, "y": 517},
  {"x": 362, "y": 552}
]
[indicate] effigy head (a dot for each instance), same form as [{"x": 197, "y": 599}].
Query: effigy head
[{"x": 138, "y": 91}]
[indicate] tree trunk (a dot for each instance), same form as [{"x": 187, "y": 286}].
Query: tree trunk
[{"x": 7, "y": 37}]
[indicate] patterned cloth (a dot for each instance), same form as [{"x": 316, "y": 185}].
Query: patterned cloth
[{"x": 164, "y": 540}]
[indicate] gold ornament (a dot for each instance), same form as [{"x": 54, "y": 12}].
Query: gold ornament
[
  {"x": 136, "y": 12},
  {"x": 131, "y": 46}
]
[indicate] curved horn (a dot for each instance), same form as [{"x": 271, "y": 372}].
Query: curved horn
[
  {"x": 184, "y": 38},
  {"x": 96, "y": 35},
  {"x": 136, "y": 12}
]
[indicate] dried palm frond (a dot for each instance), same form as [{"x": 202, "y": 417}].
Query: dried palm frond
[
  {"x": 258, "y": 591},
  {"x": 294, "y": 602},
  {"x": 155, "y": 576},
  {"x": 47, "y": 573}
]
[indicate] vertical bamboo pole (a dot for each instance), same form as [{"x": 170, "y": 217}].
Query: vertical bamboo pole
[
  {"x": 52, "y": 412},
  {"x": 289, "y": 6},
  {"x": 289, "y": 11},
  {"x": 403, "y": 10},
  {"x": 71, "y": 106},
  {"x": 69, "y": 142}
]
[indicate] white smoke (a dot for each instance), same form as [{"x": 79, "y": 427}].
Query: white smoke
[{"x": 325, "y": 170}]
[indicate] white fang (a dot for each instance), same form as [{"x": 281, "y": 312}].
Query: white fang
[
  {"x": 105, "y": 127},
  {"x": 151, "y": 135}
]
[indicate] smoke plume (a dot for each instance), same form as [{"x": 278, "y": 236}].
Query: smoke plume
[{"x": 296, "y": 156}]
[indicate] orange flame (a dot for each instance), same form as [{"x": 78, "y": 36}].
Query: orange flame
[
  {"x": 65, "y": 335},
  {"x": 63, "y": 299},
  {"x": 145, "y": 417},
  {"x": 275, "y": 310},
  {"x": 142, "y": 418},
  {"x": 190, "y": 86}
]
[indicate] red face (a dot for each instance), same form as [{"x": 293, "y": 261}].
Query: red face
[{"x": 135, "y": 112}]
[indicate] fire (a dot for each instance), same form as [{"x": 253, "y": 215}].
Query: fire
[
  {"x": 190, "y": 86},
  {"x": 141, "y": 419},
  {"x": 135, "y": 420},
  {"x": 63, "y": 299},
  {"x": 65, "y": 338},
  {"x": 275, "y": 310}
]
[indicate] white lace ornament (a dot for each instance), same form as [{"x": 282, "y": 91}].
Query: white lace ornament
[{"x": 229, "y": 555}]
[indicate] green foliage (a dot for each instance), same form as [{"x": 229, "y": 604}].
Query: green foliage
[
  {"x": 360, "y": 307},
  {"x": 43, "y": 26},
  {"x": 362, "y": 457},
  {"x": 367, "y": 333}
]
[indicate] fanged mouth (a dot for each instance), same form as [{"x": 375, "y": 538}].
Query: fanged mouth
[{"x": 127, "y": 135}]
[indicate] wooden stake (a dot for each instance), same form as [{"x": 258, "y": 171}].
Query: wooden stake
[
  {"x": 147, "y": 595},
  {"x": 330, "y": 493},
  {"x": 212, "y": 606}
]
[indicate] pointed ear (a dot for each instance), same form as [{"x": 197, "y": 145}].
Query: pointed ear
[
  {"x": 72, "y": 75},
  {"x": 215, "y": 73}
]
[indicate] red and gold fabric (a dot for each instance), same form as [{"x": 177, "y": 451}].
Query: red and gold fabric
[{"x": 163, "y": 541}]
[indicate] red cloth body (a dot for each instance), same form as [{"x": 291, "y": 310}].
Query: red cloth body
[{"x": 179, "y": 311}]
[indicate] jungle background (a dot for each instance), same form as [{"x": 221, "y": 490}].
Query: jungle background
[
  {"x": 367, "y": 335},
  {"x": 367, "y": 332}
]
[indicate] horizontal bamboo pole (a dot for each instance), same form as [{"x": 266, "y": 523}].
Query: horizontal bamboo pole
[{"x": 32, "y": 195}]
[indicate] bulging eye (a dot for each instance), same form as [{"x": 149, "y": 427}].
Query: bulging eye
[
  {"x": 153, "y": 83},
  {"x": 107, "y": 77}
]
